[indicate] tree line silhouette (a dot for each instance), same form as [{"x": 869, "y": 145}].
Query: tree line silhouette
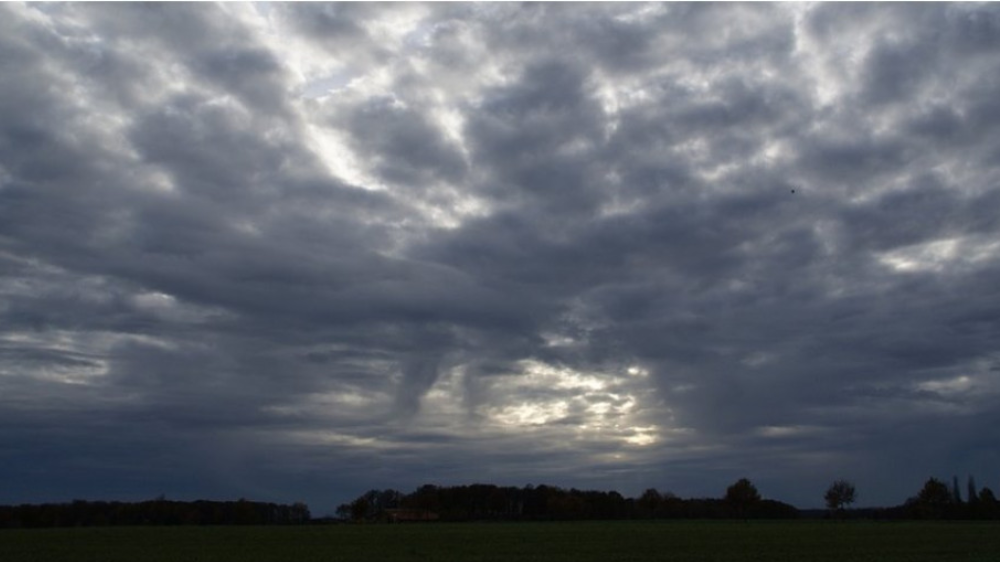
[
  {"x": 160, "y": 511},
  {"x": 936, "y": 501},
  {"x": 486, "y": 502}
]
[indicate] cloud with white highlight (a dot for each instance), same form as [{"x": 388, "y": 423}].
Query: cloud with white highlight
[{"x": 297, "y": 251}]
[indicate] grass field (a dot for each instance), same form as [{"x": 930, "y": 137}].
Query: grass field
[{"x": 577, "y": 542}]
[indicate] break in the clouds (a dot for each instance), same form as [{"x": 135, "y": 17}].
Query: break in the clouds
[{"x": 296, "y": 251}]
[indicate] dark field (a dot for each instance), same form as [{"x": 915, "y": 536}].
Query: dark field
[{"x": 668, "y": 541}]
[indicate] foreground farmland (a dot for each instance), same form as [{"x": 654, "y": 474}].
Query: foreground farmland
[{"x": 577, "y": 542}]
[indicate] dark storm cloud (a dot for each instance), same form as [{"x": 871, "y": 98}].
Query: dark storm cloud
[
  {"x": 339, "y": 29},
  {"x": 411, "y": 152},
  {"x": 520, "y": 131},
  {"x": 614, "y": 246},
  {"x": 205, "y": 41}
]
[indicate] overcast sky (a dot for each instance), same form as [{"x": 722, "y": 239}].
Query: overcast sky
[{"x": 294, "y": 252}]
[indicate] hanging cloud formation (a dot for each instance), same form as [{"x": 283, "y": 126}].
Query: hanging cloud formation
[{"x": 295, "y": 251}]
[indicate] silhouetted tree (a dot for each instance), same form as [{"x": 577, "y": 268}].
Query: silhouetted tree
[
  {"x": 649, "y": 502},
  {"x": 956, "y": 494},
  {"x": 971, "y": 495},
  {"x": 299, "y": 513},
  {"x": 987, "y": 506},
  {"x": 934, "y": 492},
  {"x": 360, "y": 509},
  {"x": 933, "y": 501},
  {"x": 344, "y": 511},
  {"x": 839, "y": 494},
  {"x": 742, "y": 495}
]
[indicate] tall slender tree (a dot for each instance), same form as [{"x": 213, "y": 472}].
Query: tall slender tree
[
  {"x": 971, "y": 492},
  {"x": 956, "y": 495}
]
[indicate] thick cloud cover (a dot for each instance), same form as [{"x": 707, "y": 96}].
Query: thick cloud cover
[{"x": 293, "y": 252}]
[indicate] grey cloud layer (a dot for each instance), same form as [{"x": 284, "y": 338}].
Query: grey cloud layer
[{"x": 331, "y": 247}]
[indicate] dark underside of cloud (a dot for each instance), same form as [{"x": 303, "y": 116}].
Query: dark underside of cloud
[{"x": 296, "y": 251}]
